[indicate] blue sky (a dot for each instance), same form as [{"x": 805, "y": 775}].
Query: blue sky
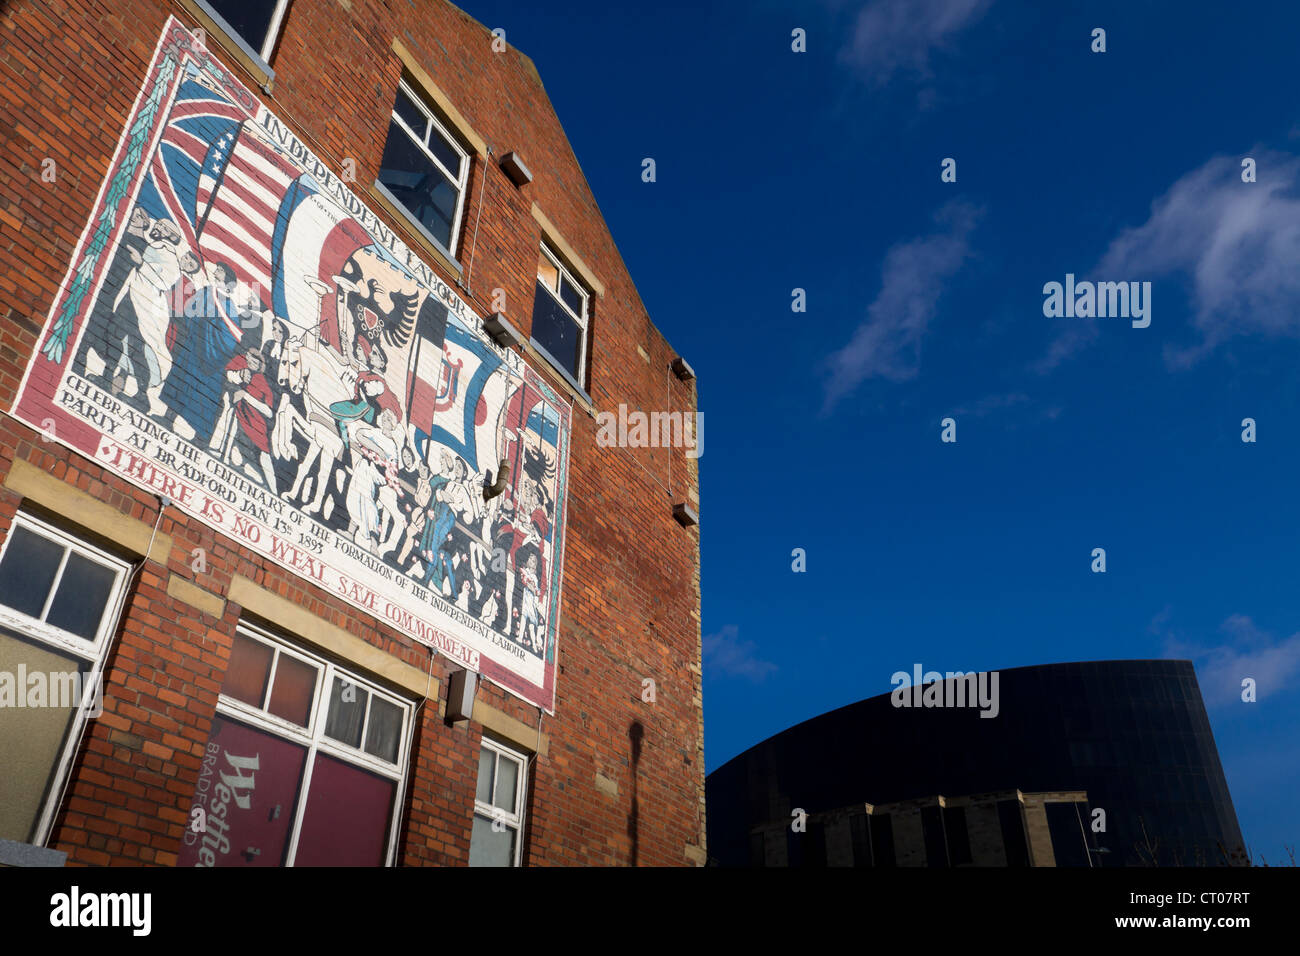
[{"x": 821, "y": 170}]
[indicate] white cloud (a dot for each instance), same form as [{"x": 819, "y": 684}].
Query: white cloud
[
  {"x": 1249, "y": 652},
  {"x": 724, "y": 652},
  {"x": 890, "y": 36},
  {"x": 1076, "y": 336},
  {"x": 1236, "y": 244},
  {"x": 888, "y": 344}
]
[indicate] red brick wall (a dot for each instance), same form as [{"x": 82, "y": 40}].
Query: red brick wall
[{"x": 630, "y": 598}]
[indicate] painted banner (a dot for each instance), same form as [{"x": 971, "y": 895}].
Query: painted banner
[{"x": 240, "y": 333}]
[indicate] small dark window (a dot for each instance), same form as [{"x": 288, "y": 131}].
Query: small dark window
[
  {"x": 347, "y": 712},
  {"x": 860, "y": 831},
  {"x": 247, "y": 673},
  {"x": 424, "y": 169},
  {"x": 882, "y": 840},
  {"x": 1069, "y": 836},
  {"x": 1012, "y": 818},
  {"x": 383, "y": 732},
  {"x": 816, "y": 840},
  {"x": 28, "y": 570},
  {"x": 256, "y": 22},
  {"x": 83, "y": 593},
  {"x": 936, "y": 843},
  {"x": 560, "y": 309},
  {"x": 954, "y": 825}
]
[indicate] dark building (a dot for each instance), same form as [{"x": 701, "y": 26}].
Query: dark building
[
  {"x": 983, "y": 829},
  {"x": 1129, "y": 738}
]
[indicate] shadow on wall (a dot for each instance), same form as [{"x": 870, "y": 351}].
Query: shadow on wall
[{"x": 635, "y": 733}]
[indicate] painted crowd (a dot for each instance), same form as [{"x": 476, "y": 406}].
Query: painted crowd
[{"x": 311, "y": 414}]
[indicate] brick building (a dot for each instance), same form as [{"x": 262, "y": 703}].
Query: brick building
[{"x": 314, "y": 551}]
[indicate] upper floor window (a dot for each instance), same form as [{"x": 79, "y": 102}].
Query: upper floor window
[
  {"x": 254, "y": 22},
  {"x": 496, "y": 839},
  {"x": 60, "y": 600},
  {"x": 425, "y": 169},
  {"x": 560, "y": 317}
]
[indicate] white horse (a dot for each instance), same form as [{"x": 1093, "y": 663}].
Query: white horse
[{"x": 322, "y": 380}]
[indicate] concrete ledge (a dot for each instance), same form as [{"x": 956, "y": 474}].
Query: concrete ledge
[
  {"x": 302, "y": 623},
  {"x": 27, "y": 854},
  {"x": 544, "y": 363},
  {"x": 606, "y": 785},
  {"x": 696, "y": 854},
  {"x": 193, "y": 595},
  {"x": 86, "y": 511},
  {"x": 515, "y": 731},
  {"x": 557, "y": 241},
  {"x": 440, "y": 99}
]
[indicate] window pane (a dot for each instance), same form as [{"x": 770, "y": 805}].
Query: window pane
[
  {"x": 447, "y": 154},
  {"x": 384, "y": 729},
  {"x": 251, "y": 19},
  {"x": 31, "y": 738},
  {"x": 346, "y": 713},
  {"x": 248, "y": 787},
  {"x": 250, "y": 663},
  {"x": 547, "y": 274},
  {"x": 28, "y": 570},
  {"x": 349, "y": 811},
  {"x": 555, "y": 330},
  {"x": 294, "y": 690},
  {"x": 418, "y": 184},
  {"x": 410, "y": 113},
  {"x": 487, "y": 848},
  {"x": 572, "y": 297},
  {"x": 507, "y": 781},
  {"x": 83, "y": 593},
  {"x": 486, "y": 758}
]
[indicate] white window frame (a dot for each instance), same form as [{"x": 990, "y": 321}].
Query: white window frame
[
  {"x": 490, "y": 811},
  {"x": 262, "y": 55},
  {"x": 436, "y": 125},
  {"x": 312, "y": 737},
  {"x": 580, "y": 319},
  {"x": 94, "y": 651}
]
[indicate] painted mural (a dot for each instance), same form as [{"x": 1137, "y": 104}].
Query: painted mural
[{"x": 238, "y": 332}]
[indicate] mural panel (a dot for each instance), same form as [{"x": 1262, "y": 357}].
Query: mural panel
[{"x": 238, "y": 332}]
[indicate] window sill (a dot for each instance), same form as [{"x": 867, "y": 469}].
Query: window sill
[
  {"x": 13, "y": 853},
  {"x": 424, "y": 238},
  {"x": 570, "y": 384},
  {"x": 230, "y": 42}
]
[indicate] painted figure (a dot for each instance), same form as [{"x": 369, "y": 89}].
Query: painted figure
[
  {"x": 311, "y": 381},
  {"x": 207, "y": 338},
  {"x": 371, "y": 396},
  {"x": 104, "y": 333},
  {"x": 243, "y": 432},
  {"x": 374, "y": 467}
]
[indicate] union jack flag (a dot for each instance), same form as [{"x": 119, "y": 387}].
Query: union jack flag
[
  {"x": 222, "y": 185},
  {"x": 199, "y": 121}
]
